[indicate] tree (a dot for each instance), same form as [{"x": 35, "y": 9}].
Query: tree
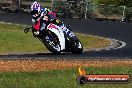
[{"x": 116, "y": 2}]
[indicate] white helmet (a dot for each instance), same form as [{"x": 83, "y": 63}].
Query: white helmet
[{"x": 35, "y": 8}]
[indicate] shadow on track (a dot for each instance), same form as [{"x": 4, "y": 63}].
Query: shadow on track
[
  {"x": 39, "y": 56},
  {"x": 85, "y": 55}
]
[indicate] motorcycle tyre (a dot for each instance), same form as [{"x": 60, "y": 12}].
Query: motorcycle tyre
[{"x": 49, "y": 47}]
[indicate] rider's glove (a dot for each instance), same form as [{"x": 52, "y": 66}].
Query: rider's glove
[
  {"x": 36, "y": 32},
  {"x": 46, "y": 18}
]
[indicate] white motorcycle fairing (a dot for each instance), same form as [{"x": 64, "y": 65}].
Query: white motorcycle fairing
[{"x": 59, "y": 32}]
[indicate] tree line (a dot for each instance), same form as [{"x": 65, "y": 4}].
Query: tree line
[{"x": 116, "y": 2}]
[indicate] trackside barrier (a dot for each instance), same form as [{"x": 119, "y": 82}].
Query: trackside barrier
[{"x": 71, "y": 9}]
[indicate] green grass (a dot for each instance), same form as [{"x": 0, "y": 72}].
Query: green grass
[
  {"x": 89, "y": 41},
  {"x": 13, "y": 39},
  {"x": 59, "y": 78},
  {"x": 95, "y": 1}
]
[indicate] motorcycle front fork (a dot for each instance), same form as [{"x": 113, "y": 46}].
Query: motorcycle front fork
[{"x": 70, "y": 34}]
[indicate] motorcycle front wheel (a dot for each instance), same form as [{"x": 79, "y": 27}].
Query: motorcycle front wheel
[
  {"x": 77, "y": 47},
  {"x": 52, "y": 43}
]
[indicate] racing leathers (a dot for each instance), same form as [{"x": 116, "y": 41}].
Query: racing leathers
[
  {"x": 43, "y": 19},
  {"x": 39, "y": 22}
]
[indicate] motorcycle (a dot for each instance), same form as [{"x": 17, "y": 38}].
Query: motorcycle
[{"x": 56, "y": 40}]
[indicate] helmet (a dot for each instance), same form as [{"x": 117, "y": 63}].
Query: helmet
[{"x": 35, "y": 8}]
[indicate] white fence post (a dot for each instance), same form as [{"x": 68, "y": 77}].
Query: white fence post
[
  {"x": 86, "y": 10},
  {"x": 19, "y": 6},
  {"x": 123, "y": 17}
]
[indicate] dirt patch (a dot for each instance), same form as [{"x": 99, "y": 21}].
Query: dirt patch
[{"x": 43, "y": 65}]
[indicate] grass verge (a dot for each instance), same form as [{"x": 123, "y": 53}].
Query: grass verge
[
  {"x": 60, "y": 78},
  {"x": 13, "y": 39}
]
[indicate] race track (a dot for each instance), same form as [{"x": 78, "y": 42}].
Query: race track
[{"x": 115, "y": 30}]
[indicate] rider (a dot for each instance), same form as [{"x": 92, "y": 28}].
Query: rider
[{"x": 38, "y": 13}]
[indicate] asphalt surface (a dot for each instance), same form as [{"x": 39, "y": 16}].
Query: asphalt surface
[{"x": 116, "y": 30}]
